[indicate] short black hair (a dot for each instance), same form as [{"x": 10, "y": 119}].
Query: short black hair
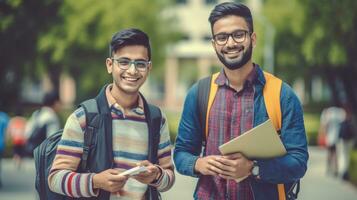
[
  {"x": 231, "y": 8},
  {"x": 50, "y": 98},
  {"x": 128, "y": 37}
]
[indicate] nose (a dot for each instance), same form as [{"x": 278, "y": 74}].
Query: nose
[
  {"x": 132, "y": 68},
  {"x": 230, "y": 41}
]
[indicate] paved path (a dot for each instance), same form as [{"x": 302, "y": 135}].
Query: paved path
[{"x": 19, "y": 183}]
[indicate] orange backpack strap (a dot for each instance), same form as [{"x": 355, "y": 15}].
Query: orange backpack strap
[
  {"x": 271, "y": 93},
  {"x": 211, "y": 96}
]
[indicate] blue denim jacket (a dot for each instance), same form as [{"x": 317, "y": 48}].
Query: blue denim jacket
[{"x": 285, "y": 169}]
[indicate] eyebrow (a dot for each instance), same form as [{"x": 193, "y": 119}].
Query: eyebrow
[
  {"x": 126, "y": 58},
  {"x": 232, "y": 31}
]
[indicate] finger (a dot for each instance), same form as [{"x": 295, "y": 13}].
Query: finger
[
  {"x": 117, "y": 178},
  {"x": 233, "y": 156},
  {"x": 218, "y": 165},
  {"x": 152, "y": 169},
  {"x": 113, "y": 171},
  {"x": 227, "y": 162},
  {"x": 215, "y": 169},
  {"x": 144, "y": 163}
]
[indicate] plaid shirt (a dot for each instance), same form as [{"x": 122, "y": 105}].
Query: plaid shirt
[{"x": 231, "y": 114}]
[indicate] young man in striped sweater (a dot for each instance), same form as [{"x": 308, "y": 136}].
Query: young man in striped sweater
[{"x": 129, "y": 64}]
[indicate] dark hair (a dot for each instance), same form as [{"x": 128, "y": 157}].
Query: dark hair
[
  {"x": 50, "y": 98},
  {"x": 230, "y": 8},
  {"x": 128, "y": 37}
]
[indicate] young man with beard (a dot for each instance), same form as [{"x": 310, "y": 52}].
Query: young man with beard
[
  {"x": 237, "y": 107},
  {"x": 130, "y": 64}
]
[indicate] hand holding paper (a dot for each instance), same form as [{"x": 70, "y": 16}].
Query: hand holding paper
[{"x": 259, "y": 142}]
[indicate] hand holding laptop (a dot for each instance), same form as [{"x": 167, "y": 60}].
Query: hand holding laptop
[{"x": 260, "y": 142}]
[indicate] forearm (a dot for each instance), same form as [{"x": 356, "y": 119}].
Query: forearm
[
  {"x": 69, "y": 183},
  {"x": 283, "y": 169}
]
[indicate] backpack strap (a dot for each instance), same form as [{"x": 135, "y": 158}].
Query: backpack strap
[
  {"x": 91, "y": 112},
  {"x": 271, "y": 93},
  {"x": 202, "y": 103},
  {"x": 153, "y": 118},
  {"x": 207, "y": 89}
]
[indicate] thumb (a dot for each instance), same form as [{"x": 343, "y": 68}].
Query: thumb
[{"x": 113, "y": 171}]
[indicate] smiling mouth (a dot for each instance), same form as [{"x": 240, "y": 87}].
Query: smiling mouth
[
  {"x": 234, "y": 51},
  {"x": 131, "y": 79}
]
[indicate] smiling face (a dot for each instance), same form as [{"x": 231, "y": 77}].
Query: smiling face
[
  {"x": 233, "y": 54},
  {"x": 128, "y": 81}
]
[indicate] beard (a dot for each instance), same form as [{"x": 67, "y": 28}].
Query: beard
[{"x": 239, "y": 62}]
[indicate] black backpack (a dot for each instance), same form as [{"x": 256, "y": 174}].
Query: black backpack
[{"x": 46, "y": 151}]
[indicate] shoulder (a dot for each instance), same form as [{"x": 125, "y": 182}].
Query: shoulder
[
  {"x": 77, "y": 117},
  {"x": 193, "y": 91},
  {"x": 289, "y": 100},
  {"x": 287, "y": 93}
]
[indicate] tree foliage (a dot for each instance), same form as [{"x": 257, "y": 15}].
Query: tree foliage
[
  {"x": 21, "y": 24},
  {"x": 81, "y": 44},
  {"x": 317, "y": 38},
  {"x": 51, "y": 36}
]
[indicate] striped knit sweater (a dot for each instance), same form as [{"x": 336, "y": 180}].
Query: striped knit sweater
[{"x": 130, "y": 146}]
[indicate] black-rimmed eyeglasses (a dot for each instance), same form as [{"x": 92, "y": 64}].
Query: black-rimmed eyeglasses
[
  {"x": 140, "y": 65},
  {"x": 238, "y": 36}
]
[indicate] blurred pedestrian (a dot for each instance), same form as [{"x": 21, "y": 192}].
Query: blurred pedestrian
[
  {"x": 345, "y": 144},
  {"x": 16, "y": 133},
  {"x": 4, "y": 120},
  {"x": 43, "y": 122},
  {"x": 330, "y": 122}
]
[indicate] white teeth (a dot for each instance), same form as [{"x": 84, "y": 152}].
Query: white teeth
[{"x": 130, "y": 79}]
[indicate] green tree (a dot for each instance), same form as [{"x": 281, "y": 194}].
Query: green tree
[
  {"x": 80, "y": 44},
  {"x": 330, "y": 32},
  {"x": 46, "y": 36},
  {"x": 317, "y": 38},
  {"x": 21, "y": 24}
]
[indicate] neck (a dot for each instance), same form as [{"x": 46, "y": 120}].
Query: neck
[
  {"x": 125, "y": 100},
  {"x": 238, "y": 77}
]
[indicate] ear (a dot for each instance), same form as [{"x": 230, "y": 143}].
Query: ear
[
  {"x": 149, "y": 67},
  {"x": 109, "y": 63},
  {"x": 254, "y": 39},
  {"x": 213, "y": 44}
]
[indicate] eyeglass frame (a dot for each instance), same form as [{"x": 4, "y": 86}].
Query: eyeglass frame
[
  {"x": 231, "y": 35},
  {"x": 130, "y": 62}
]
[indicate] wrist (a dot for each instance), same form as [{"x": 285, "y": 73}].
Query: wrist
[
  {"x": 95, "y": 184},
  {"x": 158, "y": 175},
  {"x": 196, "y": 165}
]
